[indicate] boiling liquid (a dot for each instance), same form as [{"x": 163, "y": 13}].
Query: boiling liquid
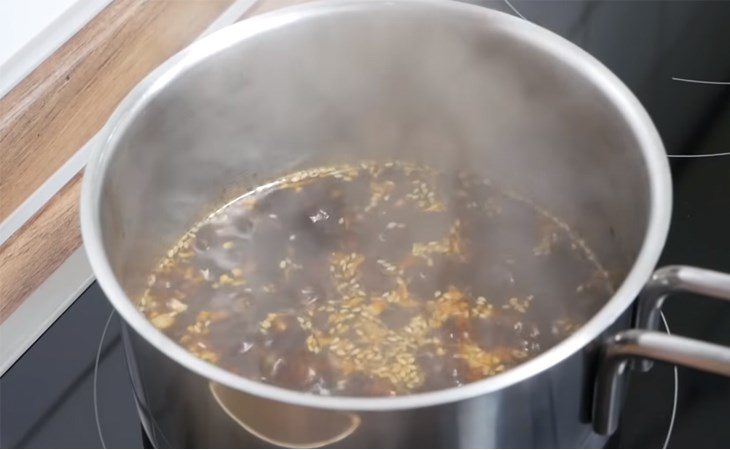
[{"x": 374, "y": 280}]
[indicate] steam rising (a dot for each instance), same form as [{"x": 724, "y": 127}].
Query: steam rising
[{"x": 424, "y": 84}]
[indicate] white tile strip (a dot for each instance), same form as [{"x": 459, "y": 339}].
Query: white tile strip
[
  {"x": 232, "y": 14},
  {"x": 45, "y": 192},
  {"x": 63, "y": 175},
  {"x": 42, "y": 307}
]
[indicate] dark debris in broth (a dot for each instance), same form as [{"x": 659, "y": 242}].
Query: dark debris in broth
[{"x": 374, "y": 279}]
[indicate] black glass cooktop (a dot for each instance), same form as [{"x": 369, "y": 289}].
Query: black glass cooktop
[{"x": 674, "y": 55}]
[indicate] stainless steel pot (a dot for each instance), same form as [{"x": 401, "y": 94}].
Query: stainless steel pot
[{"x": 438, "y": 82}]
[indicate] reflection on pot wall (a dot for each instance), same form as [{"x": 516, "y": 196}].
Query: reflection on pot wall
[
  {"x": 538, "y": 413},
  {"x": 282, "y": 424}
]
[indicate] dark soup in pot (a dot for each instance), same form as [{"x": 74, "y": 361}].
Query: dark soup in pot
[{"x": 374, "y": 279}]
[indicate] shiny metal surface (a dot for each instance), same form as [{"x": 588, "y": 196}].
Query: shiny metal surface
[
  {"x": 448, "y": 84},
  {"x": 675, "y": 279},
  {"x": 644, "y": 345},
  {"x": 626, "y": 345},
  {"x": 551, "y": 409}
]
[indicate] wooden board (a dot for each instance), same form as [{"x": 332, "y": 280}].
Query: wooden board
[
  {"x": 65, "y": 101},
  {"x": 39, "y": 247},
  {"x": 53, "y": 112}
]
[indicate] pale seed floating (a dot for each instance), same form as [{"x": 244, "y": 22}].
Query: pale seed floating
[{"x": 354, "y": 319}]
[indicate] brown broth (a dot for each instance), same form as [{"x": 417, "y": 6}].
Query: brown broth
[{"x": 374, "y": 280}]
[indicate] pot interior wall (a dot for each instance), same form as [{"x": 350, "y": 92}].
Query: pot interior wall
[{"x": 450, "y": 88}]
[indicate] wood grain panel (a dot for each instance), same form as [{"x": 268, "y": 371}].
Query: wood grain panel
[
  {"x": 53, "y": 112},
  {"x": 39, "y": 247},
  {"x": 65, "y": 101}
]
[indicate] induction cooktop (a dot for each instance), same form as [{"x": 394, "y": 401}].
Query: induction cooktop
[{"x": 72, "y": 389}]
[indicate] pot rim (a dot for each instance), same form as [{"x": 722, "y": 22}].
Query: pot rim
[{"x": 650, "y": 145}]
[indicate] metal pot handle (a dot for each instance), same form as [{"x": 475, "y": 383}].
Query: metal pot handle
[{"x": 645, "y": 345}]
